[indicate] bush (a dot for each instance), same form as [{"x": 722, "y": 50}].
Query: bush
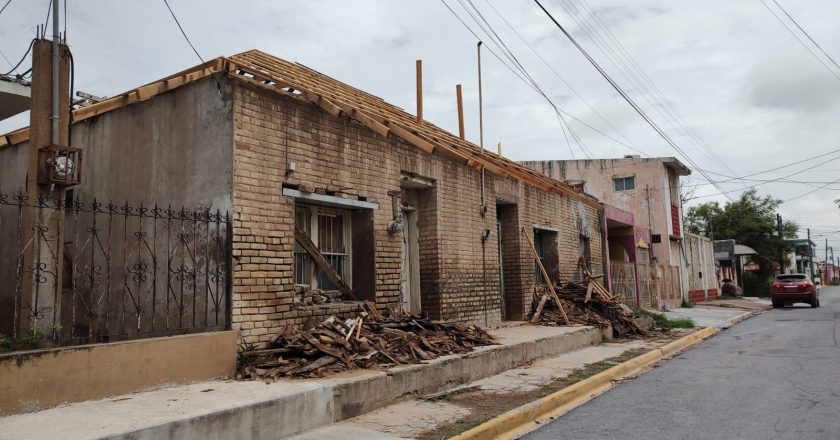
[{"x": 756, "y": 285}]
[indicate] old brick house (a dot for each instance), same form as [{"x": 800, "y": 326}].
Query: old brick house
[{"x": 403, "y": 212}]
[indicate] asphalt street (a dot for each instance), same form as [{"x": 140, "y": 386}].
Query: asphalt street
[{"x": 775, "y": 376}]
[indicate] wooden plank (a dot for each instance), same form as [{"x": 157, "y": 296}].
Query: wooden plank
[
  {"x": 589, "y": 288},
  {"x": 303, "y": 238},
  {"x": 540, "y": 306},
  {"x": 547, "y": 278}
]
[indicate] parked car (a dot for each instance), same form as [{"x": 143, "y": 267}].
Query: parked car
[{"x": 792, "y": 288}]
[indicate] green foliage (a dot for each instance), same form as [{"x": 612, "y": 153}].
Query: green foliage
[
  {"x": 686, "y": 304},
  {"x": 660, "y": 320},
  {"x": 750, "y": 220},
  {"x": 32, "y": 339},
  {"x": 756, "y": 284}
]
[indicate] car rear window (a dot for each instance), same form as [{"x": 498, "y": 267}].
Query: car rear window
[{"x": 791, "y": 277}]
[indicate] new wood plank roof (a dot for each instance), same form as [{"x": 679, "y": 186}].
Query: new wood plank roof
[{"x": 336, "y": 98}]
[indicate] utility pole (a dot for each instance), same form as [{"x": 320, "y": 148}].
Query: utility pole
[
  {"x": 825, "y": 263},
  {"x": 49, "y": 126},
  {"x": 810, "y": 254},
  {"x": 781, "y": 244}
]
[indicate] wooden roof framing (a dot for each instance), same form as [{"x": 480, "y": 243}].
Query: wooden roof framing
[{"x": 335, "y": 98}]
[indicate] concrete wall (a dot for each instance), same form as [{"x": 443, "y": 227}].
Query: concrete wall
[
  {"x": 340, "y": 156},
  {"x": 174, "y": 149},
  {"x": 34, "y": 380},
  {"x": 701, "y": 275}
]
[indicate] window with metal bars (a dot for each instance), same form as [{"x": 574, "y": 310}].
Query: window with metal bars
[{"x": 329, "y": 229}]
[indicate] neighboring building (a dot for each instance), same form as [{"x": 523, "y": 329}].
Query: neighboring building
[
  {"x": 647, "y": 188},
  {"x": 801, "y": 258},
  {"x": 830, "y": 273},
  {"x": 730, "y": 257},
  {"x": 400, "y": 210}
]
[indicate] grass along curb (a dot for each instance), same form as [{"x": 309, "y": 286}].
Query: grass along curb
[{"x": 522, "y": 419}]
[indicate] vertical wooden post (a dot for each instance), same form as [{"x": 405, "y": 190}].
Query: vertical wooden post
[
  {"x": 499, "y": 149},
  {"x": 419, "y": 91},
  {"x": 50, "y": 252},
  {"x": 460, "y": 111}
]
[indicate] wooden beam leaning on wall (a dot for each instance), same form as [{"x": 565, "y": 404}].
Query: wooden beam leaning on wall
[
  {"x": 303, "y": 238},
  {"x": 550, "y": 285}
]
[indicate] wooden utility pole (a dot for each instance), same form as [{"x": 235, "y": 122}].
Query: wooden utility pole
[
  {"x": 781, "y": 244},
  {"x": 810, "y": 255},
  {"x": 49, "y": 120}
]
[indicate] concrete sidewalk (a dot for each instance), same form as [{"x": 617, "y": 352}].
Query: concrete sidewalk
[
  {"x": 721, "y": 313},
  {"x": 229, "y": 409}
]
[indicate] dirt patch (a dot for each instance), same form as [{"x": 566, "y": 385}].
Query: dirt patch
[{"x": 485, "y": 405}]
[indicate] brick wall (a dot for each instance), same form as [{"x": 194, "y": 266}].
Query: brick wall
[{"x": 459, "y": 271}]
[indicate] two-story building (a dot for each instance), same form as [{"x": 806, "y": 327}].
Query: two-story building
[{"x": 648, "y": 189}]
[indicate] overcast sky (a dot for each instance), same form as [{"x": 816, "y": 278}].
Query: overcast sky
[{"x": 750, "y": 95}]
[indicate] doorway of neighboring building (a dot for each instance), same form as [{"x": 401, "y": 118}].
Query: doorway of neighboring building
[{"x": 507, "y": 231}]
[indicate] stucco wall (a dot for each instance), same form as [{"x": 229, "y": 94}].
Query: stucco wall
[{"x": 649, "y": 173}]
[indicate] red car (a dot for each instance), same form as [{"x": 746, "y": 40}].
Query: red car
[{"x": 792, "y": 288}]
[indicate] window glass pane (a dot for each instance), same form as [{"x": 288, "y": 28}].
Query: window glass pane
[
  {"x": 619, "y": 184},
  {"x": 630, "y": 183}
]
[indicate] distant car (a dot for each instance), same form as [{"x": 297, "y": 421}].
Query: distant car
[{"x": 792, "y": 288}]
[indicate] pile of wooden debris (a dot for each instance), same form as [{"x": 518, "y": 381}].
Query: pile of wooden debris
[
  {"x": 368, "y": 341},
  {"x": 584, "y": 303}
]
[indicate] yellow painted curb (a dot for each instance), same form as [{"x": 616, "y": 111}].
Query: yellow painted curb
[{"x": 519, "y": 420}]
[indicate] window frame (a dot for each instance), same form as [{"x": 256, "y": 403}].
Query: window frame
[
  {"x": 623, "y": 181},
  {"x": 313, "y": 214}
]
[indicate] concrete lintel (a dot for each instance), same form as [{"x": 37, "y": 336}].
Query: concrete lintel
[
  {"x": 545, "y": 228},
  {"x": 14, "y": 98},
  {"x": 323, "y": 199}
]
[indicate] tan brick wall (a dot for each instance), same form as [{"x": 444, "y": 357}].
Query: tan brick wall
[{"x": 459, "y": 273}]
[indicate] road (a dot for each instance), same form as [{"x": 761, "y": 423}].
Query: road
[{"x": 775, "y": 376}]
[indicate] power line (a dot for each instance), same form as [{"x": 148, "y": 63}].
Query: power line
[
  {"x": 811, "y": 192},
  {"x": 625, "y": 96},
  {"x": 218, "y": 84},
  {"x": 668, "y": 108},
  {"x": 800, "y": 40},
  {"x": 564, "y": 81},
  {"x": 807, "y": 34},
  {"x": 4, "y": 6}
]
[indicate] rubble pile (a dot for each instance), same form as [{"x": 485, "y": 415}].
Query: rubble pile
[
  {"x": 367, "y": 341},
  {"x": 595, "y": 309}
]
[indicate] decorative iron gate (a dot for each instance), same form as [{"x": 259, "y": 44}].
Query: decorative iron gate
[{"x": 79, "y": 272}]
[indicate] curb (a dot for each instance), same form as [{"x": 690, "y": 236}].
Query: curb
[
  {"x": 744, "y": 316},
  {"x": 520, "y": 420}
]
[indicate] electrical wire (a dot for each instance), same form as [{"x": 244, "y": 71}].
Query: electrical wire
[
  {"x": 667, "y": 106},
  {"x": 807, "y": 34},
  {"x": 565, "y": 82},
  {"x": 4, "y": 6},
  {"x": 22, "y": 59},
  {"x": 521, "y": 78},
  {"x": 218, "y": 84},
  {"x": 626, "y": 97},
  {"x": 830, "y": 70},
  {"x": 810, "y": 192}
]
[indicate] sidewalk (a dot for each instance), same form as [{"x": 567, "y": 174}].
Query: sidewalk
[
  {"x": 720, "y": 313},
  {"x": 230, "y": 409}
]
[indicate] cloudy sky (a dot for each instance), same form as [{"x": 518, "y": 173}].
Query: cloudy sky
[{"x": 734, "y": 90}]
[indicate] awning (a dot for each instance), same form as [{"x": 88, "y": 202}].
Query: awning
[{"x": 740, "y": 249}]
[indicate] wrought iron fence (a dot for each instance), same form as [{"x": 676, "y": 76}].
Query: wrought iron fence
[{"x": 78, "y": 272}]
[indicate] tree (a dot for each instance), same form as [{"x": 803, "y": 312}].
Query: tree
[{"x": 750, "y": 220}]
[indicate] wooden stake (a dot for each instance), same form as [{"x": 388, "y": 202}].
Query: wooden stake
[
  {"x": 540, "y": 306},
  {"x": 419, "y": 91},
  {"x": 545, "y": 275},
  {"x": 499, "y": 147},
  {"x": 460, "y": 111}
]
